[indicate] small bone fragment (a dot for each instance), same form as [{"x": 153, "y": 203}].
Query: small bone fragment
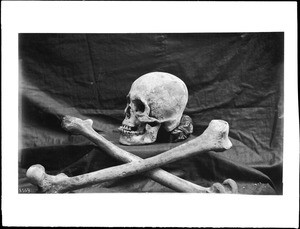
[{"x": 215, "y": 137}]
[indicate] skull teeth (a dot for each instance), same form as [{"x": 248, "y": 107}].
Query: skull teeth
[{"x": 124, "y": 129}]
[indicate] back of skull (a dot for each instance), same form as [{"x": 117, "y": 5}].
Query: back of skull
[{"x": 155, "y": 100}]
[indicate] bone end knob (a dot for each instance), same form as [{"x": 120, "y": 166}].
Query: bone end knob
[
  {"x": 76, "y": 125},
  {"x": 230, "y": 186},
  {"x": 36, "y": 174},
  {"x": 217, "y": 188},
  {"x": 220, "y": 127},
  {"x": 46, "y": 183}
]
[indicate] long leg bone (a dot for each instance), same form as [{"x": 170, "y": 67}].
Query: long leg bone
[
  {"x": 215, "y": 137},
  {"x": 78, "y": 126}
]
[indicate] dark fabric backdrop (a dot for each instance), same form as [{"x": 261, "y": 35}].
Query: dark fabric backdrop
[{"x": 236, "y": 77}]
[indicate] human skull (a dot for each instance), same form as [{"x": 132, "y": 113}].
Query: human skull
[{"x": 155, "y": 100}]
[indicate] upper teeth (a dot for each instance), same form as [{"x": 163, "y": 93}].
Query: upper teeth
[
  {"x": 128, "y": 130},
  {"x": 126, "y": 127}
]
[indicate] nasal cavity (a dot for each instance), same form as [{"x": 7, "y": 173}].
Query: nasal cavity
[{"x": 127, "y": 112}]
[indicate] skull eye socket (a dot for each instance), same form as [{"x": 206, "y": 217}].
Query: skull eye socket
[{"x": 139, "y": 105}]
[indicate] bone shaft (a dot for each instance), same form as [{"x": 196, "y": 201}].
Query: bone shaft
[
  {"x": 158, "y": 175},
  {"x": 109, "y": 147},
  {"x": 176, "y": 183},
  {"x": 197, "y": 145}
]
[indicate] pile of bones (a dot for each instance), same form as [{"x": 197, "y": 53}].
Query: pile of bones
[{"x": 156, "y": 100}]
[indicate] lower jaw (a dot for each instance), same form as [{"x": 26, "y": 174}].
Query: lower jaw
[{"x": 136, "y": 139}]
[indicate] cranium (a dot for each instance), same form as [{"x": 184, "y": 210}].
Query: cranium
[{"x": 155, "y": 100}]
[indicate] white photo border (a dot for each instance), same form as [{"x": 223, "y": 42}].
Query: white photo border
[{"x": 145, "y": 209}]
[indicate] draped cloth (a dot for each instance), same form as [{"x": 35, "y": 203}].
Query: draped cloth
[{"x": 236, "y": 77}]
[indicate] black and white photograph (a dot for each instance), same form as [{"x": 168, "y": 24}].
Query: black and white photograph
[
  {"x": 92, "y": 102},
  {"x": 135, "y": 115}
]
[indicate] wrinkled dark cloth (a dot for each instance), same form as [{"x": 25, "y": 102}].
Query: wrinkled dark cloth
[{"x": 236, "y": 77}]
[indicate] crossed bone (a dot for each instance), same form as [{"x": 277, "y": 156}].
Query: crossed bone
[{"x": 215, "y": 137}]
